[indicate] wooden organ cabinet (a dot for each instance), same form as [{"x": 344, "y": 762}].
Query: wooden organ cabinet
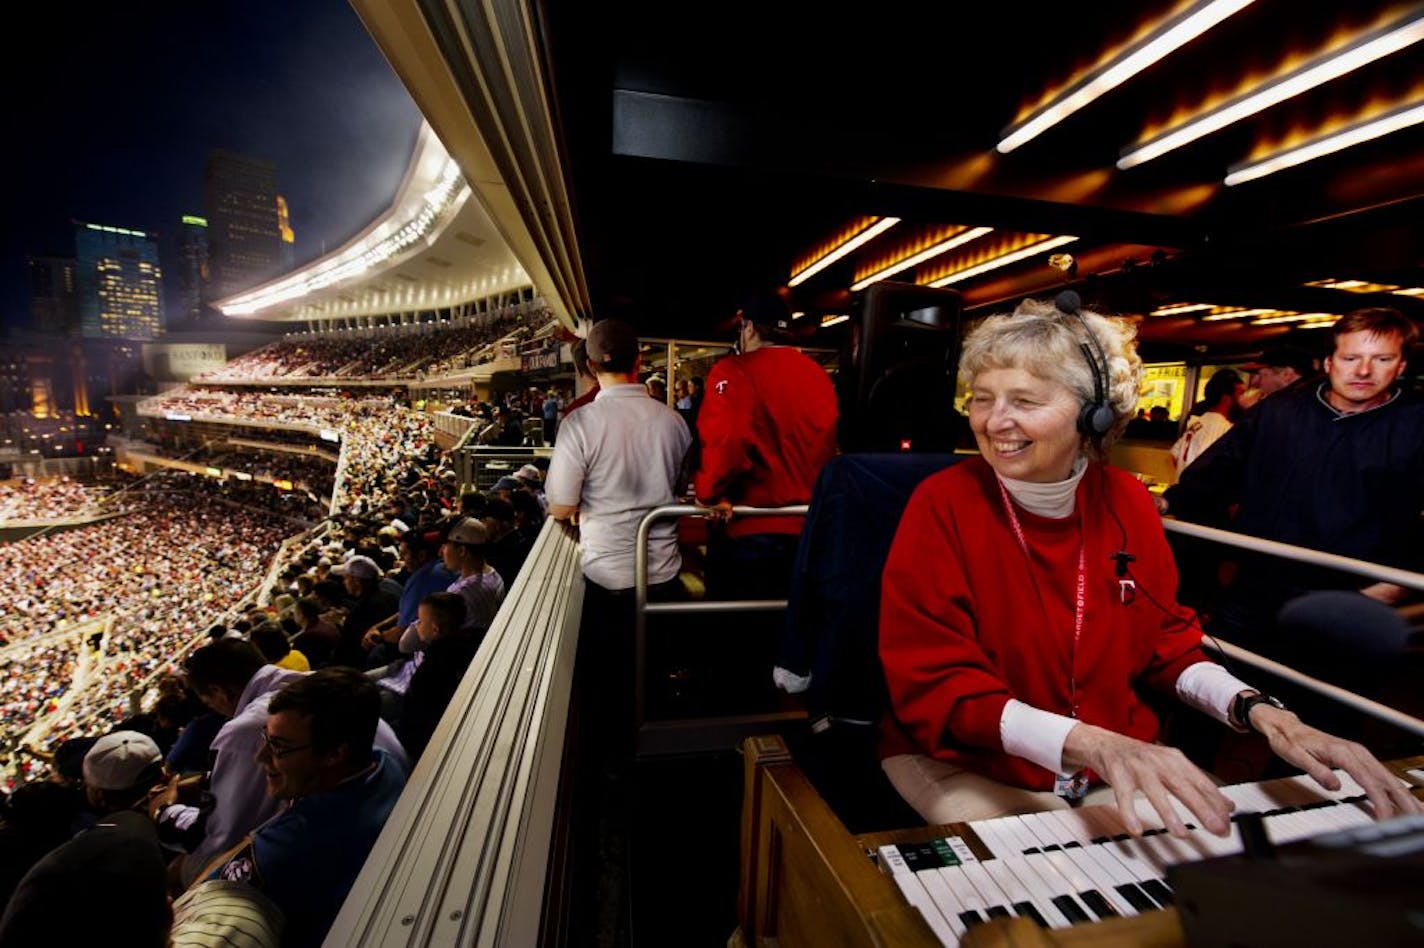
[{"x": 806, "y": 881}]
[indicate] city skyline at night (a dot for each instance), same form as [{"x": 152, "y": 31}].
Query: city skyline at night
[{"x": 121, "y": 108}]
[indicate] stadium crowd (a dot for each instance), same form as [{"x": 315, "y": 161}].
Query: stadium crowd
[
  {"x": 385, "y": 352},
  {"x": 402, "y": 585},
  {"x": 51, "y": 499},
  {"x": 161, "y": 574}
]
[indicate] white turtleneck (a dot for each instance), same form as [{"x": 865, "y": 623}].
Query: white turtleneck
[{"x": 1054, "y": 499}]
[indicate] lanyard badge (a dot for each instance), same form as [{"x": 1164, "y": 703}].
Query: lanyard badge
[{"x": 1071, "y": 786}]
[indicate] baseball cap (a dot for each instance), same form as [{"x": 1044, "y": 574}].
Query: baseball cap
[
  {"x": 766, "y": 309},
  {"x": 361, "y": 567},
  {"x": 612, "y": 341},
  {"x": 117, "y": 761},
  {"x": 469, "y": 531},
  {"x": 508, "y": 483}
]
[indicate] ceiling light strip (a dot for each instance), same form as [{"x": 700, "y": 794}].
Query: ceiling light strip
[
  {"x": 1295, "y": 318},
  {"x": 1392, "y": 121},
  {"x": 958, "y": 240},
  {"x": 1365, "y": 49},
  {"x": 1171, "y": 34},
  {"x": 1178, "y": 309},
  {"x": 1355, "y": 286},
  {"x": 833, "y": 320},
  {"x": 850, "y": 246},
  {"x": 1001, "y": 261}
]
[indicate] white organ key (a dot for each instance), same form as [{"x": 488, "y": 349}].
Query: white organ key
[
  {"x": 1028, "y": 868},
  {"x": 1057, "y": 883},
  {"x": 1153, "y": 851},
  {"x": 964, "y": 891},
  {"x": 991, "y": 834},
  {"x": 1088, "y": 875},
  {"x": 993, "y": 894},
  {"x": 1022, "y": 884},
  {"x": 1142, "y": 870},
  {"x": 1351, "y": 814},
  {"x": 1039, "y": 829},
  {"x": 944, "y": 899},
  {"x": 915, "y": 894},
  {"x": 1076, "y": 824},
  {"x": 1249, "y": 798},
  {"x": 1016, "y": 829},
  {"x": 1060, "y": 829},
  {"x": 1114, "y": 870}
]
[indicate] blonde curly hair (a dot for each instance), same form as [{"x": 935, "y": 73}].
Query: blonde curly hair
[{"x": 1041, "y": 339}]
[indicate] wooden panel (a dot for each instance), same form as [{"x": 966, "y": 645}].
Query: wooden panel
[{"x": 805, "y": 880}]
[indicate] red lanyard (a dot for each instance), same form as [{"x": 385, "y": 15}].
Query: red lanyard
[{"x": 1080, "y": 603}]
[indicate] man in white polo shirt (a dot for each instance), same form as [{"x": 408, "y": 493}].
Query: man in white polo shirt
[{"x": 616, "y": 458}]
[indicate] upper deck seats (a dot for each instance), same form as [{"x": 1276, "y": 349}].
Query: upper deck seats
[{"x": 832, "y": 628}]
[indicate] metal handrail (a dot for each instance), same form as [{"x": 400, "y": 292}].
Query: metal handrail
[
  {"x": 1348, "y": 698},
  {"x": 1301, "y": 554},
  {"x": 641, "y": 606}
]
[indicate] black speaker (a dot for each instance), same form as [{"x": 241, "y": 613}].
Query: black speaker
[{"x": 898, "y": 368}]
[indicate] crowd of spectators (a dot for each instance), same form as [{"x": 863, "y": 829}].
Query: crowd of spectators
[
  {"x": 54, "y": 499},
  {"x": 161, "y": 574},
  {"x": 410, "y": 572},
  {"x": 418, "y": 350},
  {"x": 378, "y": 434},
  {"x": 311, "y": 472}
]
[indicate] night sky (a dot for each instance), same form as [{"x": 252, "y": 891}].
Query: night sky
[{"x": 110, "y": 111}]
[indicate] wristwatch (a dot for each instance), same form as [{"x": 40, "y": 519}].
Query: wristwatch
[{"x": 1242, "y": 704}]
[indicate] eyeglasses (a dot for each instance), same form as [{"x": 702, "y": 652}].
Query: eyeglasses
[{"x": 278, "y": 751}]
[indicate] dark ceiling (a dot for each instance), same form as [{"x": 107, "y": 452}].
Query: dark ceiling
[{"x": 713, "y": 146}]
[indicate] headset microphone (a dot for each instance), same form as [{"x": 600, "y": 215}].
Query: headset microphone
[{"x": 1097, "y": 417}]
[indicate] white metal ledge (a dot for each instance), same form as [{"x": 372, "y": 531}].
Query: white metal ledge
[{"x": 463, "y": 857}]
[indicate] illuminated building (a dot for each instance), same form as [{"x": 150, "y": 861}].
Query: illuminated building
[
  {"x": 191, "y": 274},
  {"x": 120, "y": 282},
  {"x": 244, "y": 237}
]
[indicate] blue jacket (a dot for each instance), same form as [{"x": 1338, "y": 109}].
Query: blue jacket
[{"x": 1303, "y": 474}]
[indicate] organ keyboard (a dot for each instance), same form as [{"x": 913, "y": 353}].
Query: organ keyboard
[{"x": 1056, "y": 878}]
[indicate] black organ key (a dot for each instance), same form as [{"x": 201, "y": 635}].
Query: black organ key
[
  {"x": 1094, "y": 900},
  {"x": 1028, "y": 910},
  {"x": 1159, "y": 892},
  {"x": 1071, "y": 909},
  {"x": 1136, "y": 897}
]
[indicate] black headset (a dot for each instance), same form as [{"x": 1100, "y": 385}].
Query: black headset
[{"x": 1097, "y": 417}]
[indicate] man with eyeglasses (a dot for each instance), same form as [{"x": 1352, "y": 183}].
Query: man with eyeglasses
[
  {"x": 231, "y": 677},
  {"x": 318, "y": 753}
]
